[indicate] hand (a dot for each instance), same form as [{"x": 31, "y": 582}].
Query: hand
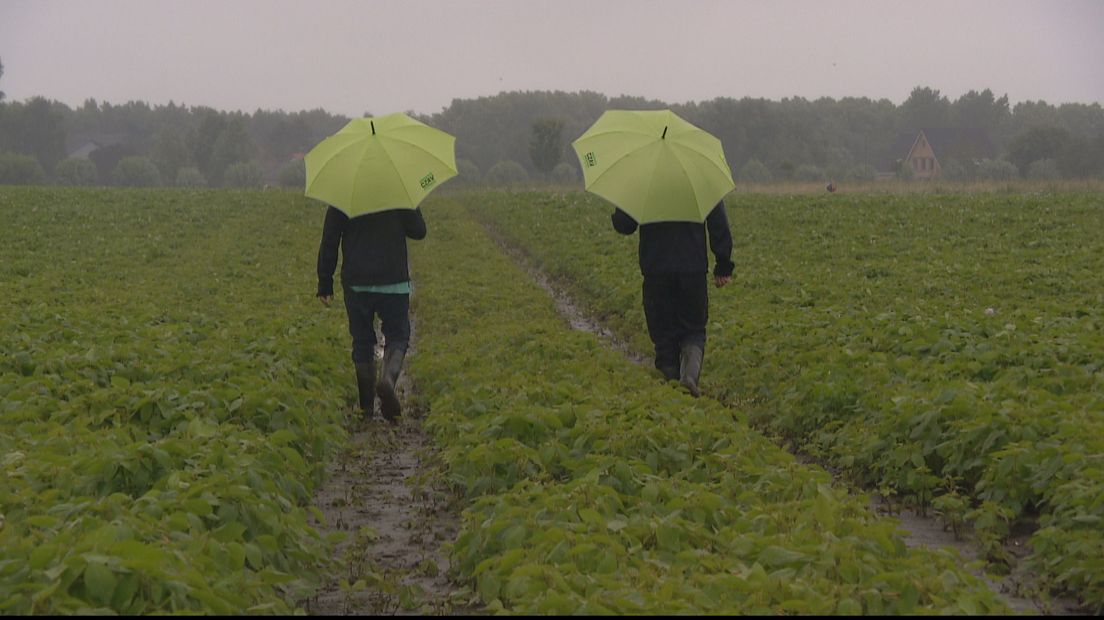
[
  {"x": 325, "y": 299},
  {"x": 720, "y": 281}
]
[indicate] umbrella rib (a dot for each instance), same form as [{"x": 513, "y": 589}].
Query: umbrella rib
[
  {"x": 334, "y": 157},
  {"x": 686, "y": 176},
  {"x": 698, "y": 154},
  {"x": 691, "y": 152},
  {"x": 722, "y": 169},
  {"x": 651, "y": 177},
  {"x": 704, "y": 156},
  {"x": 427, "y": 152},
  {"x": 400, "y": 177},
  {"x": 682, "y": 169}
]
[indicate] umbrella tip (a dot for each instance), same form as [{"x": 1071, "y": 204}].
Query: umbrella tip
[
  {"x": 373, "y": 124},
  {"x": 664, "y": 136}
]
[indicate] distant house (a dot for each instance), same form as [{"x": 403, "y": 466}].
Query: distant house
[
  {"x": 928, "y": 151},
  {"x": 83, "y": 145}
]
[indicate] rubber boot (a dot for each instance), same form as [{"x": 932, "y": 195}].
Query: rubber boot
[
  {"x": 691, "y": 363},
  {"x": 389, "y": 378},
  {"x": 366, "y": 385}
]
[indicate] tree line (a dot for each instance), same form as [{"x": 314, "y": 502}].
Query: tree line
[
  {"x": 519, "y": 136},
  {"x": 794, "y": 138}
]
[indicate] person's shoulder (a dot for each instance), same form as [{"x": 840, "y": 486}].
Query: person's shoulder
[{"x": 718, "y": 212}]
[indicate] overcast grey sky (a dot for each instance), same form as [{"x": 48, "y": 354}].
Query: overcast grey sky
[{"x": 383, "y": 56}]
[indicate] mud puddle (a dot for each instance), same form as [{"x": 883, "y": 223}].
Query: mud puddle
[{"x": 385, "y": 493}]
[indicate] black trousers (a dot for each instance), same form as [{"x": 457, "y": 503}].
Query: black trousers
[
  {"x": 676, "y": 307},
  {"x": 394, "y": 313}
]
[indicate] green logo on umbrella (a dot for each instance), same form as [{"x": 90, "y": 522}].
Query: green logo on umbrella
[
  {"x": 427, "y": 180},
  {"x": 591, "y": 159}
]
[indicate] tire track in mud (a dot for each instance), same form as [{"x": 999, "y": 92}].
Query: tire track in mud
[
  {"x": 920, "y": 531},
  {"x": 385, "y": 493}
]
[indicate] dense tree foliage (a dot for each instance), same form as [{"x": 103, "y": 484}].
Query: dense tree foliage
[
  {"x": 76, "y": 171},
  {"x": 545, "y": 145},
  {"x": 997, "y": 170},
  {"x": 244, "y": 174},
  {"x": 35, "y": 128},
  {"x": 844, "y": 138},
  {"x": 16, "y": 169},
  {"x": 507, "y": 172},
  {"x": 293, "y": 174},
  {"x": 925, "y": 107},
  {"x": 467, "y": 173},
  {"x": 564, "y": 174},
  {"x": 1037, "y": 143},
  {"x": 982, "y": 110},
  {"x": 190, "y": 177},
  {"x": 136, "y": 171}
]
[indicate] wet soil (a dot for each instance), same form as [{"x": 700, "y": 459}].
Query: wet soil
[
  {"x": 565, "y": 305},
  {"x": 385, "y": 494}
]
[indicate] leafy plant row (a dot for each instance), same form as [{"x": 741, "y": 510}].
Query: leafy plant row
[
  {"x": 595, "y": 488},
  {"x": 945, "y": 349},
  {"x": 167, "y": 399}
]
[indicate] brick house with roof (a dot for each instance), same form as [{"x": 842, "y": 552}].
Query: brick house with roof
[{"x": 927, "y": 151}]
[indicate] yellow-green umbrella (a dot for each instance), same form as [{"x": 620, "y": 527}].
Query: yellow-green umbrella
[
  {"x": 654, "y": 165},
  {"x": 377, "y": 164}
]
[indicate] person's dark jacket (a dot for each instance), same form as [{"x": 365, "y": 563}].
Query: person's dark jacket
[
  {"x": 373, "y": 247},
  {"x": 679, "y": 247}
]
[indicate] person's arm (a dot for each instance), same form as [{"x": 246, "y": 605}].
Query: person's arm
[
  {"x": 327, "y": 251},
  {"x": 414, "y": 223},
  {"x": 623, "y": 223},
  {"x": 720, "y": 240}
]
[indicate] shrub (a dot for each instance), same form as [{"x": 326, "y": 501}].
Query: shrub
[
  {"x": 904, "y": 171},
  {"x": 755, "y": 172},
  {"x": 506, "y": 172},
  {"x": 997, "y": 170},
  {"x": 244, "y": 174},
  {"x": 787, "y": 169},
  {"x": 564, "y": 174},
  {"x": 861, "y": 172},
  {"x": 18, "y": 169},
  {"x": 76, "y": 171},
  {"x": 954, "y": 170},
  {"x": 467, "y": 173},
  {"x": 294, "y": 174},
  {"x": 136, "y": 172},
  {"x": 809, "y": 172},
  {"x": 1043, "y": 169},
  {"x": 190, "y": 177}
]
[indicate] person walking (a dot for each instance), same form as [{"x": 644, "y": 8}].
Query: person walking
[
  {"x": 674, "y": 263},
  {"x": 375, "y": 279}
]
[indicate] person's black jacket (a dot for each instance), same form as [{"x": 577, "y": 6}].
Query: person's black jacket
[
  {"x": 373, "y": 247},
  {"x": 679, "y": 247}
]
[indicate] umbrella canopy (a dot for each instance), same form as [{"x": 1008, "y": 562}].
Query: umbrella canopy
[
  {"x": 654, "y": 165},
  {"x": 377, "y": 164}
]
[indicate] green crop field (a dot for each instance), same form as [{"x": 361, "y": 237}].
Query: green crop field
[
  {"x": 167, "y": 389},
  {"x": 947, "y": 350},
  {"x": 171, "y": 391}
]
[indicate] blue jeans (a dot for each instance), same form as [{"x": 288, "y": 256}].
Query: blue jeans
[{"x": 393, "y": 311}]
